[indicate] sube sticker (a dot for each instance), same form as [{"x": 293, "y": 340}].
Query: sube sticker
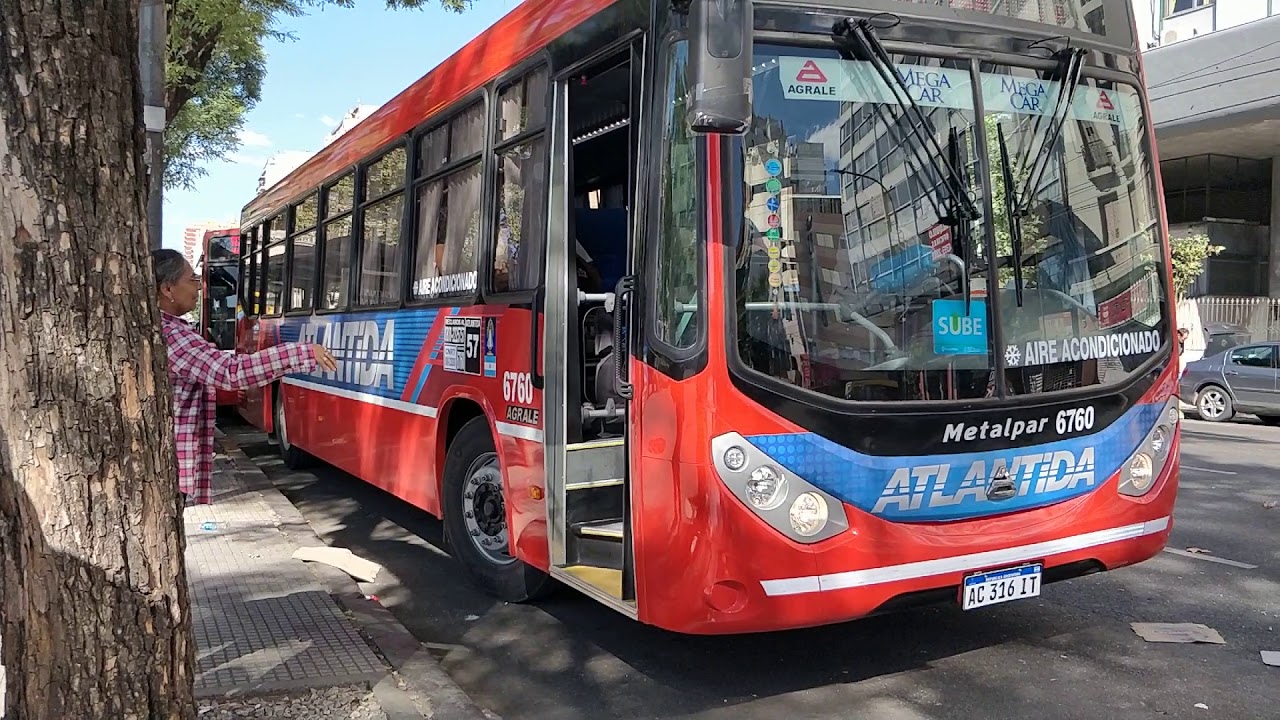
[{"x": 956, "y": 332}]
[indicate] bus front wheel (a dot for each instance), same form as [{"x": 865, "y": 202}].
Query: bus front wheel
[{"x": 475, "y": 518}]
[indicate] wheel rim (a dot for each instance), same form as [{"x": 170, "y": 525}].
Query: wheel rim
[
  {"x": 1213, "y": 404},
  {"x": 282, "y": 432},
  {"x": 484, "y": 510}
]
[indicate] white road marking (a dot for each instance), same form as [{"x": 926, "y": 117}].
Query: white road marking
[
  {"x": 1209, "y": 470},
  {"x": 1210, "y": 558}
]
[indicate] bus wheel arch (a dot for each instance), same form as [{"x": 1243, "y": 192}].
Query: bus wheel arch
[
  {"x": 473, "y": 506},
  {"x": 452, "y": 417}
]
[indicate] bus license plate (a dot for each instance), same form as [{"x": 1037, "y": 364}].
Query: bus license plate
[{"x": 997, "y": 586}]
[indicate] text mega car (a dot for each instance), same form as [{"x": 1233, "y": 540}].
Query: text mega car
[
  {"x": 220, "y": 274},
  {"x": 743, "y": 317}
]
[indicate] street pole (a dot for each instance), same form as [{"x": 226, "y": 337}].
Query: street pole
[{"x": 152, "y": 52}]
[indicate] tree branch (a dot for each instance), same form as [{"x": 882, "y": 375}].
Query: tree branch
[{"x": 191, "y": 59}]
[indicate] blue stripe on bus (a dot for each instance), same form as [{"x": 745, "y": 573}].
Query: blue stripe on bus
[
  {"x": 426, "y": 369},
  {"x": 933, "y": 488},
  {"x": 364, "y": 369}
]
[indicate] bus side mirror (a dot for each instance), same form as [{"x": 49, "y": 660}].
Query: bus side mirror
[{"x": 720, "y": 33}]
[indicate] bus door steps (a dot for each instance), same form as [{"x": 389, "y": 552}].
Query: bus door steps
[
  {"x": 597, "y": 543},
  {"x": 594, "y": 501},
  {"x": 595, "y": 488}
]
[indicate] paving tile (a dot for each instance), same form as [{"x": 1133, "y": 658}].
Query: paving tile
[{"x": 261, "y": 618}]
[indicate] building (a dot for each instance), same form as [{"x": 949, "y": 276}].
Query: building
[
  {"x": 193, "y": 237},
  {"x": 283, "y": 163},
  {"x": 1175, "y": 21},
  {"x": 1210, "y": 78},
  {"x": 280, "y": 165}
]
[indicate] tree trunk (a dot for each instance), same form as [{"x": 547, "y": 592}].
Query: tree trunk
[{"x": 94, "y": 613}]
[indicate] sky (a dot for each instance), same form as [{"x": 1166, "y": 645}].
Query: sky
[{"x": 338, "y": 58}]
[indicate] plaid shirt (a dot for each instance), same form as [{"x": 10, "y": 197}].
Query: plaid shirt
[{"x": 197, "y": 369}]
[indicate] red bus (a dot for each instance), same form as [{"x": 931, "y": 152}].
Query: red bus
[
  {"x": 748, "y": 316},
  {"x": 220, "y": 270}
]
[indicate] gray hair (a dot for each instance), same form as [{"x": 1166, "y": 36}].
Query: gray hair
[{"x": 169, "y": 266}]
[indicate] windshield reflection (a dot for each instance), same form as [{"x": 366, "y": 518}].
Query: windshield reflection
[{"x": 854, "y": 281}]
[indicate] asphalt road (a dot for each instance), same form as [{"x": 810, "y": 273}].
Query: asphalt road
[{"x": 1067, "y": 654}]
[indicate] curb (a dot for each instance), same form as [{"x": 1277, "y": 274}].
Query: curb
[{"x": 417, "y": 686}]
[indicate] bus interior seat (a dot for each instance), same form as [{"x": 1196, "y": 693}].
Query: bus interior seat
[
  {"x": 603, "y": 234},
  {"x": 602, "y": 231},
  {"x": 597, "y": 369}
]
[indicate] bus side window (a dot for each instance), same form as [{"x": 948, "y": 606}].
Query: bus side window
[
  {"x": 381, "y": 209},
  {"x": 336, "y": 261},
  {"x": 679, "y": 265},
  {"x": 248, "y": 246},
  {"x": 521, "y": 151},
  {"x": 447, "y": 193},
  {"x": 302, "y": 256}
]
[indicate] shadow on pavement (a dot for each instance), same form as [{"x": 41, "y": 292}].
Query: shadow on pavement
[{"x": 1069, "y": 654}]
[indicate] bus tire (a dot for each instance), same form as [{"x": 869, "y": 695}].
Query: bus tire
[
  {"x": 294, "y": 458},
  {"x": 475, "y": 520}
]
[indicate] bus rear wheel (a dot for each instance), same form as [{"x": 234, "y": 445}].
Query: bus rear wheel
[
  {"x": 475, "y": 519},
  {"x": 293, "y": 457}
]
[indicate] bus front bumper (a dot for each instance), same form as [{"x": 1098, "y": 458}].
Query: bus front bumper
[{"x": 879, "y": 566}]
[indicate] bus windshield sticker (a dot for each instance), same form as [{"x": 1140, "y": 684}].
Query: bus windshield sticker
[
  {"x": 954, "y": 332},
  {"x": 855, "y": 81},
  {"x": 1076, "y": 349},
  {"x": 462, "y": 345}
]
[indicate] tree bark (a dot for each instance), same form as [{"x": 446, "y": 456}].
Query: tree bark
[{"x": 94, "y": 612}]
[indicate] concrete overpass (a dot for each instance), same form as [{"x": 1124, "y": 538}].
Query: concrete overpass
[
  {"x": 1218, "y": 93},
  {"x": 1215, "y": 100}
]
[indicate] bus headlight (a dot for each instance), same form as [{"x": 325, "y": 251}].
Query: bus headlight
[
  {"x": 808, "y": 514},
  {"x": 776, "y": 494},
  {"x": 767, "y": 488},
  {"x": 1159, "y": 437},
  {"x": 735, "y": 458},
  {"x": 1140, "y": 472},
  {"x": 1149, "y": 459}
]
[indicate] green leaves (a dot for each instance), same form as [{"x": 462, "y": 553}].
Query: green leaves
[
  {"x": 215, "y": 69},
  {"x": 1032, "y": 226},
  {"x": 451, "y": 5},
  {"x": 1189, "y": 256}
]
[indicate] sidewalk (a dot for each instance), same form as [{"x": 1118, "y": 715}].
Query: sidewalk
[{"x": 277, "y": 637}]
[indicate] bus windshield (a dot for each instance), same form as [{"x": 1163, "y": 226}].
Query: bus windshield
[
  {"x": 221, "y": 305},
  {"x": 1098, "y": 17},
  {"x": 858, "y": 279}
]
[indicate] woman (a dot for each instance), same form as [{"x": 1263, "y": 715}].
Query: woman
[{"x": 197, "y": 369}]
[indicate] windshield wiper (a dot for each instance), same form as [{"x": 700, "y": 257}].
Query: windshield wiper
[
  {"x": 1013, "y": 209},
  {"x": 859, "y": 36},
  {"x": 963, "y": 230},
  {"x": 1067, "y": 73},
  {"x": 1070, "y": 64}
]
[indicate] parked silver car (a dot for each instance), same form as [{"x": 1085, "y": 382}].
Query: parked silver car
[{"x": 1241, "y": 379}]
